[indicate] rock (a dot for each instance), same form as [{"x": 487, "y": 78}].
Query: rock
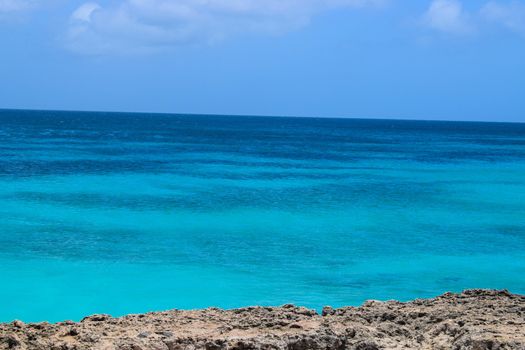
[
  {"x": 327, "y": 310},
  {"x": 472, "y": 320},
  {"x": 96, "y": 318},
  {"x": 166, "y": 334},
  {"x": 18, "y": 324},
  {"x": 367, "y": 346},
  {"x": 10, "y": 341},
  {"x": 73, "y": 332}
]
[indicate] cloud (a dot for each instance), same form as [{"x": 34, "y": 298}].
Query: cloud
[
  {"x": 12, "y": 6},
  {"x": 83, "y": 13},
  {"x": 448, "y": 16},
  {"x": 149, "y": 25},
  {"x": 510, "y": 15}
]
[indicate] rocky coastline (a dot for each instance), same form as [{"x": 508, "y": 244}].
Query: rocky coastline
[{"x": 472, "y": 320}]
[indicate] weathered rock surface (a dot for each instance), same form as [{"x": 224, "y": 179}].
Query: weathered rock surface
[{"x": 472, "y": 320}]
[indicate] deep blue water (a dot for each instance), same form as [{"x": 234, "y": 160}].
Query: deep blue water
[{"x": 126, "y": 213}]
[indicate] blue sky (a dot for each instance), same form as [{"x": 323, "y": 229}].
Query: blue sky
[{"x": 425, "y": 59}]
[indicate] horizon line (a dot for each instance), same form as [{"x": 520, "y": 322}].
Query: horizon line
[{"x": 261, "y": 116}]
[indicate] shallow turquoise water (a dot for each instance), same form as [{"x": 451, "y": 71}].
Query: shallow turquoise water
[{"x": 127, "y": 213}]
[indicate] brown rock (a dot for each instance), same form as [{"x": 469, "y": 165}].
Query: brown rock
[{"x": 472, "y": 320}]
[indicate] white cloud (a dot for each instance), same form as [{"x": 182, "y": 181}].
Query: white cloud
[
  {"x": 144, "y": 25},
  {"x": 84, "y": 12},
  {"x": 448, "y": 16},
  {"x": 11, "y": 6},
  {"x": 511, "y": 15}
]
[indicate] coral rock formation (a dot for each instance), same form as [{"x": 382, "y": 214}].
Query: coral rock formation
[{"x": 472, "y": 320}]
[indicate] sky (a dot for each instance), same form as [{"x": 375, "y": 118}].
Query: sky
[{"x": 419, "y": 59}]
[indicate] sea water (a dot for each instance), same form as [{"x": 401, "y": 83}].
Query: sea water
[{"x": 128, "y": 213}]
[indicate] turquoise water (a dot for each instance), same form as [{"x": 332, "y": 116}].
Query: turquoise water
[{"x": 127, "y": 213}]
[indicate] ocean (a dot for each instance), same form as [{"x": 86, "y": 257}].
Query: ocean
[{"x": 125, "y": 213}]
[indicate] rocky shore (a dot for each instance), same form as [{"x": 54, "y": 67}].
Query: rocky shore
[{"x": 474, "y": 319}]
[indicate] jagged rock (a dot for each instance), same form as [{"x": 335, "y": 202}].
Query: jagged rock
[
  {"x": 18, "y": 324},
  {"x": 327, "y": 310},
  {"x": 472, "y": 320}
]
